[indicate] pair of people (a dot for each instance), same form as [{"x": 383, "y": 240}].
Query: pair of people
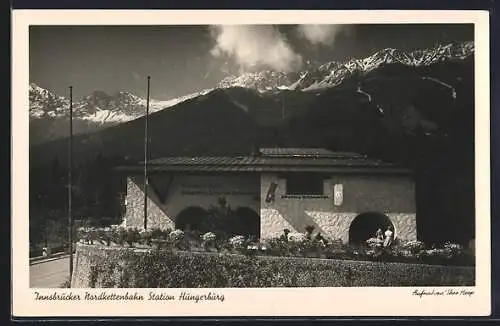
[{"x": 387, "y": 236}]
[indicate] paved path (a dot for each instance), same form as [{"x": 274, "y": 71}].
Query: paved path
[{"x": 49, "y": 274}]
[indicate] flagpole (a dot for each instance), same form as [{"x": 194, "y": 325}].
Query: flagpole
[
  {"x": 146, "y": 140},
  {"x": 283, "y": 108},
  {"x": 70, "y": 183}
]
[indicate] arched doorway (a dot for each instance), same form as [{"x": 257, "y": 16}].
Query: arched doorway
[
  {"x": 246, "y": 222},
  {"x": 365, "y": 225},
  {"x": 190, "y": 218}
]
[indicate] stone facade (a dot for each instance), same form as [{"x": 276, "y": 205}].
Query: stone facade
[
  {"x": 393, "y": 196},
  {"x": 184, "y": 191}
]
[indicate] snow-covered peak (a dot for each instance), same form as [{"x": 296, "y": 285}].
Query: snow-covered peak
[
  {"x": 96, "y": 110},
  {"x": 332, "y": 74}
]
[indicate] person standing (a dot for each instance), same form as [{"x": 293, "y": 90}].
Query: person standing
[{"x": 389, "y": 237}]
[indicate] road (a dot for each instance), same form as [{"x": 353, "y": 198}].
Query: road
[{"x": 49, "y": 274}]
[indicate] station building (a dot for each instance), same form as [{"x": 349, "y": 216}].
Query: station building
[{"x": 343, "y": 196}]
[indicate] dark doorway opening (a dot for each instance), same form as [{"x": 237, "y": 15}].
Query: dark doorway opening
[
  {"x": 190, "y": 218},
  {"x": 365, "y": 226},
  {"x": 246, "y": 222}
]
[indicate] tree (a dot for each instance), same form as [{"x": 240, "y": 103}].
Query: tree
[{"x": 219, "y": 219}]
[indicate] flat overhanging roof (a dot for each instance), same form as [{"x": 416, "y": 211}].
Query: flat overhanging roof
[{"x": 281, "y": 160}]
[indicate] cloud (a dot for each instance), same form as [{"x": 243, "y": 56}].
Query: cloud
[
  {"x": 322, "y": 34},
  {"x": 255, "y": 45}
]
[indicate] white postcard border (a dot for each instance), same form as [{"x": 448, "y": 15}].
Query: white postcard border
[{"x": 365, "y": 301}]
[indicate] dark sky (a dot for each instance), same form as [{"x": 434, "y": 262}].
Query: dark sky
[{"x": 179, "y": 58}]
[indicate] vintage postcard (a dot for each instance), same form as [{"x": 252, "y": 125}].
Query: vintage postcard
[{"x": 250, "y": 163}]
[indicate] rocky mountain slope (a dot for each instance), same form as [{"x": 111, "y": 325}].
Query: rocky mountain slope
[
  {"x": 331, "y": 74},
  {"x": 415, "y": 110},
  {"x": 49, "y": 113}
]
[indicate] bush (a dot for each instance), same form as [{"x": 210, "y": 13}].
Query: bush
[
  {"x": 453, "y": 249},
  {"x": 119, "y": 235},
  {"x": 208, "y": 240},
  {"x": 145, "y": 237},
  {"x": 296, "y": 237},
  {"x": 160, "y": 234},
  {"x": 413, "y": 246},
  {"x": 167, "y": 269},
  {"x": 66, "y": 284},
  {"x": 238, "y": 243},
  {"x": 132, "y": 236}
]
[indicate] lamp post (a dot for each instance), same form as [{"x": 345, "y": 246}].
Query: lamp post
[
  {"x": 146, "y": 140},
  {"x": 70, "y": 182}
]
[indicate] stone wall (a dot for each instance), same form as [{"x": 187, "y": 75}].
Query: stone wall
[
  {"x": 391, "y": 195},
  {"x": 405, "y": 225},
  {"x": 169, "y": 197}
]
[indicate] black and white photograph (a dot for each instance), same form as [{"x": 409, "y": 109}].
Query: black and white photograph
[{"x": 219, "y": 156}]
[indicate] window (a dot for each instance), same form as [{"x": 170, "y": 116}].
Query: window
[{"x": 304, "y": 184}]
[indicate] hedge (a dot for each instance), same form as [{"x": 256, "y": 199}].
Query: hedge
[{"x": 105, "y": 267}]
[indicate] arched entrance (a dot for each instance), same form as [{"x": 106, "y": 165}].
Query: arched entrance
[
  {"x": 246, "y": 222},
  {"x": 365, "y": 225},
  {"x": 191, "y": 217}
]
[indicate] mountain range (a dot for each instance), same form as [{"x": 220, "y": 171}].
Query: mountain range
[
  {"x": 415, "y": 109},
  {"x": 49, "y": 112}
]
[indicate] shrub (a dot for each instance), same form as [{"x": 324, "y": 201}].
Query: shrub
[
  {"x": 237, "y": 242},
  {"x": 145, "y": 237},
  {"x": 309, "y": 230},
  {"x": 132, "y": 236},
  {"x": 296, "y": 237},
  {"x": 119, "y": 235},
  {"x": 93, "y": 234},
  {"x": 276, "y": 247},
  {"x": 66, "y": 284},
  {"x": 375, "y": 243},
  {"x": 209, "y": 236},
  {"x": 81, "y": 234},
  {"x": 158, "y": 233},
  {"x": 413, "y": 246},
  {"x": 106, "y": 235},
  {"x": 453, "y": 249},
  {"x": 208, "y": 240},
  {"x": 176, "y": 237},
  {"x": 284, "y": 235}
]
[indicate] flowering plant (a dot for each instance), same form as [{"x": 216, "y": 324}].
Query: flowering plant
[
  {"x": 177, "y": 238},
  {"x": 296, "y": 237},
  {"x": 208, "y": 237},
  {"x": 435, "y": 252},
  {"x": 176, "y": 235},
  {"x": 208, "y": 240},
  {"x": 453, "y": 249},
  {"x": 413, "y": 246},
  {"x": 375, "y": 243},
  {"x": 87, "y": 234},
  {"x": 237, "y": 241}
]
